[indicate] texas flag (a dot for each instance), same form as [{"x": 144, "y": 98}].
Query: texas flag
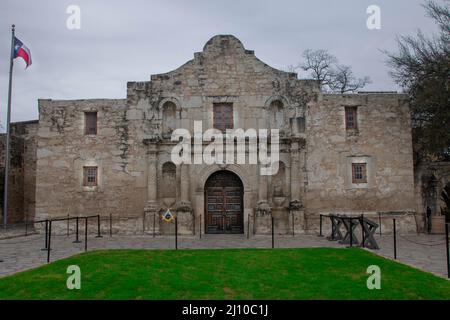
[{"x": 20, "y": 50}]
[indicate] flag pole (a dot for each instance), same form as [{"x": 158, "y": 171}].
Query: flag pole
[{"x": 8, "y": 120}]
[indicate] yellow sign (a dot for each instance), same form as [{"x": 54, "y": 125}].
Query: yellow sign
[{"x": 168, "y": 216}]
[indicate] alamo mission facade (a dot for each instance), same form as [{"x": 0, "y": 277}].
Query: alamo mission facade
[{"x": 349, "y": 153}]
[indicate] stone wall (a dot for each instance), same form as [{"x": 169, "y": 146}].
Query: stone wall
[
  {"x": 132, "y": 149},
  {"x": 63, "y": 150},
  {"x": 22, "y": 174},
  {"x": 382, "y": 140}
]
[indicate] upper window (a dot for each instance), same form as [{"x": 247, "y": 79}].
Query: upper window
[
  {"x": 350, "y": 118},
  {"x": 359, "y": 173},
  {"x": 90, "y": 122},
  {"x": 223, "y": 116},
  {"x": 90, "y": 176}
]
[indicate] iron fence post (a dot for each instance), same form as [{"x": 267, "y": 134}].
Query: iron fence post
[
  {"x": 273, "y": 235},
  {"x": 76, "y": 231},
  {"x": 395, "y": 240},
  {"x": 46, "y": 235},
  {"x": 351, "y": 232},
  {"x": 49, "y": 240},
  {"x": 379, "y": 221},
  {"x": 176, "y": 233},
  {"x": 362, "y": 230},
  {"x": 85, "y": 233},
  {"x": 99, "y": 235},
  {"x": 320, "y": 226}
]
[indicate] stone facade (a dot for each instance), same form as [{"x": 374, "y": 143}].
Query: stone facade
[
  {"x": 137, "y": 180},
  {"x": 22, "y": 174}
]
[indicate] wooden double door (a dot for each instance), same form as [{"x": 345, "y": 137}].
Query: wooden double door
[{"x": 224, "y": 203}]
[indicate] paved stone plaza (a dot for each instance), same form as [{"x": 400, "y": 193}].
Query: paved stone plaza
[{"x": 426, "y": 252}]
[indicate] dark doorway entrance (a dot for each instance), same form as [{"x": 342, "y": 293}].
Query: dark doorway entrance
[{"x": 224, "y": 203}]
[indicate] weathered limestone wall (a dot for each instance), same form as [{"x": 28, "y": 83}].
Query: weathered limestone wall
[
  {"x": 22, "y": 174},
  {"x": 383, "y": 141},
  {"x": 223, "y": 72},
  {"x": 63, "y": 150},
  {"x": 132, "y": 149}
]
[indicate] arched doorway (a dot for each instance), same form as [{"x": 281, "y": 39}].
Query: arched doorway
[{"x": 224, "y": 203}]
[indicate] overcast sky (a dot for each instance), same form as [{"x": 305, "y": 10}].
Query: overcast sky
[{"x": 122, "y": 41}]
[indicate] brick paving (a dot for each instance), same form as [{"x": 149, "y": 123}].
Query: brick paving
[{"x": 426, "y": 252}]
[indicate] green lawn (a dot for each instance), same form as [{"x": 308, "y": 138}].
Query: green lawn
[{"x": 316, "y": 273}]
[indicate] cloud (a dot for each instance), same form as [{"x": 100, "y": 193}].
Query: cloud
[{"x": 130, "y": 40}]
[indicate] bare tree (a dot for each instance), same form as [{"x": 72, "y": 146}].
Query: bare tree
[
  {"x": 319, "y": 63},
  {"x": 342, "y": 80},
  {"x": 332, "y": 77},
  {"x": 421, "y": 66}
]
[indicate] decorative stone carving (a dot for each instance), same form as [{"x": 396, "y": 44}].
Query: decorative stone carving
[
  {"x": 295, "y": 205},
  {"x": 184, "y": 206},
  {"x": 278, "y": 201},
  {"x": 263, "y": 208}
]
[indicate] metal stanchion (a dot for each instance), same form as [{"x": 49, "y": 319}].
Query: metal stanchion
[
  {"x": 320, "y": 226},
  {"x": 193, "y": 216},
  {"x": 85, "y": 233},
  {"x": 49, "y": 240},
  {"x": 99, "y": 235},
  {"x": 362, "y": 230},
  {"x": 26, "y": 224},
  {"x": 351, "y": 232},
  {"x": 200, "y": 226},
  {"x": 395, "y": 240},
  {"x": 76, "y": 231},
  {"x": 110, "y": 224},
  {"x": 176, "y": 233},
  {"x": 46, "y": 236},
  {"x": 379, "y": 221},
  {"x": 273, "y": 235},
  {"x": 447, "y": 250}
]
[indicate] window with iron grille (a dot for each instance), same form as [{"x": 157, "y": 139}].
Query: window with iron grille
[
  {"x": 90, "y": 122},
  {"x": 223, "y": 116},
  {"x": 351, "y": 118},
  {"x": 90, "y": 176},
  {"x": 359, "y": 173}
]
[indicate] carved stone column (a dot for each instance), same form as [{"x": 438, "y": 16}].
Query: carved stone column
[
  {"x": 184, "y": 192},
  {"x": 295, "y": 171},
  {"x": 185, "y": 214},
  {"x": 263, "y": 209},
  {"x": 296, "y": 207},
  {"x": 263, "y": 188},
  {"x": 152, "y": 177},
  {"x": 151, "y": 210}
]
